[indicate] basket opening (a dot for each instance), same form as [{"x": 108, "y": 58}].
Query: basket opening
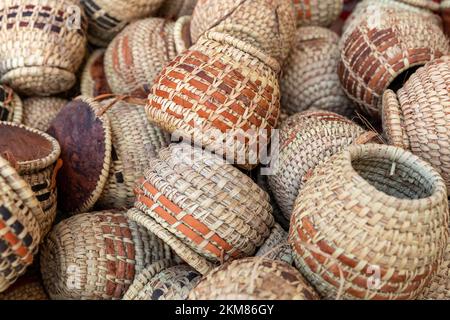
[
  {"x": 22, "y": 144},
  {"x": 403, "y": 181},
  {"x": 401, "y": 79}
]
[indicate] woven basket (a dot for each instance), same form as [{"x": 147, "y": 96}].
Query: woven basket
[
  {"x": 445, "y": 14},
  {"x": 215, "y": 92},
  {"x": 268, "y": 25},
  {"x": 35, "y": 156},
  {"x": 371, "y": 209},
  {"x": 119, "y": 142},
  {"x": 306, "y": 140},
  {"x": 174, "y": 9},
  {"x": 317, "y": 12},
  {"x": 93, "y": 79},
  {"x": 310, "y": 79},
  {"x": 276, "y": 247},
  {"x": 160, "y": 281},
  {"x": 138, "y": 54},
  {"x": 11, "y": 107},
  {"x": 417, "y": 117},
  {"x": 382, "y": 47},
  {"x": 39, "y": 112},
  {"x": 108, "y": 17},
  {"x": 204, "y": 208},
  {"x": 97, "y": 256},
  {"x": 27, "y": 287},
  {"x": 254, "y": 279},
  {"x": 41, "y": 50},
  {"x": 20, "y": 231}
]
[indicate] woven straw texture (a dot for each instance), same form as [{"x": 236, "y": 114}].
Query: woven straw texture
[
  {"x": 214, "y": 92},
  {"x": 174, "y": 9},
  {"x": 97, "y": 255},
  {"x": 28, "y": 287},
  {"x": 41, "y": 50},
  {"x": 11, "y": 107},
  {"x": 254, "y": 279},
  {"x": 372, "y": 208},
  {"x": 445, "y": 14},
  {"x": 20, "y": 232},
  {"x": 276, "y": 247},
  {"x": 381, "y": 48},
  {"x": 93, "y": 79},
  {"x": 39, "y": 112},
  {"x": 418, "y": 117},
  {"x": 108, "y": 17},
  {"x": 310, "y": 78},
  {"x": 135, "y": 142},
  {"x": 268, "y": 25},
  {"x": 138, "y": 54},
  {"x": 170, "y": 283},
  {"x": 306, "y": 140},
  {"x": 320, "y": 13},
  {"x": 204, "y": 208},
  {"x": 35, "y": 156}
]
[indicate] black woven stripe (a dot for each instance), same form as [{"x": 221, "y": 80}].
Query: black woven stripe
[
  {"x": 39, "y": 187},
  {"x": 43, "y": 197},
  {"x": 4, "y": 114},
  {"x": 5, "y": 214}
]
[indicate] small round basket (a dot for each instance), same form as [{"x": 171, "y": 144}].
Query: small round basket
[
  {"x": 39, "y": 112},
  {"x": 43, "y": 45},
  {"x": 93, "y": 79},
  {"x": 254, "y": 279},
  {"x": 96, "y": 256},
  {"x": 321, "y": 13},
  {"x": 204, "y": 208},
  {"x": 371, "y": 223},
  {"x": 11, "y": 107}
]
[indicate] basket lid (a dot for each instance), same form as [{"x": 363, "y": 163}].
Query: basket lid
[{"x": 85, "y": 138}]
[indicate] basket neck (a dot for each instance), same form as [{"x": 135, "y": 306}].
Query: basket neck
[{"x": 393, "y": 121}]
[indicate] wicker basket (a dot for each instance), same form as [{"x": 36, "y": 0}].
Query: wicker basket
[
  {"x": 119, "y": 142},
  {"x": 276, "y": 247},
  {"x": 268, "y": 25},
  {"x": 93, "y": 79},
  {"x": 138, "y": 54},
  {"x": 417, "y": 117},
  {"x": 160, "y": 281},
  {"x": 35, "y": 156},
  {"x": 41, "y": 49},
  {"x": 310, "y": 79},
  {"x": 204, "y": 208},
  {"x": 215, "y": 92},
  {"x": 20, "y": 232},
  {"x": 371, "y": 223},
  {"x": 27, "y": 287},
  {"x": 254, "y": 279},
  {"x": 97, "y": 256},
  {"x": 317, "y": 12},
  {"x": 445, "y": 14},
  {"x": 306, "y": 140},
  {"x": 382, "y": 46},
  {"x": 108, "y": 17},
  {"x": 174, "y": 9},
  {"x": 11, "y": 107},
  {"x": 39, "y": 112}
]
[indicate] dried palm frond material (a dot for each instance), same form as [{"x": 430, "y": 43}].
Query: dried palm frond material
[
  {"x": 321, "y": 13},
  {"x": 39, "y": 112}
]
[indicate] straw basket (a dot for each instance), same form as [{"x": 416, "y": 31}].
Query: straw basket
[
  {"x": 20, "y": 231},
  {"x": 310, "y": 78},
  {"x": 138, "y": 54},
  {"x": 317, "y": 12},
  {"x": 445, "y": 14},
  {"x": 371, "y": 223},
  {"x": 417, "y": 117},
  {"x": 93, "y": 79},
  {"x": 108, "y": 17},
  {"x": 39, "y": 112},
  {"x": 204, "y": 208},
  {"x": 27, "y": 287},
  {"x": 97, "y": 256},
  {"x": 174, "y": 9},
  {"x": 42, "y": 44},
  {"x": 268, "y": 25},
  {"x": 306, "y": 140},
  {"x": 254, "y": 279},
  {"x": 160, "y": 281},
  {"x": 35, "y": 156},
  {"x": 276, "y": 247},
  {"x": 11, "y": 107},
  {"x": 384, "y": 45},
  {"x": 119, "y": 142}
]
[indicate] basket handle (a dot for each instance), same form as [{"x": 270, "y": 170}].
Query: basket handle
[
  {"x": 393, "y": 121},
  {"x": 58, "y": 166},
  {"x": 129, "y": 99}
]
